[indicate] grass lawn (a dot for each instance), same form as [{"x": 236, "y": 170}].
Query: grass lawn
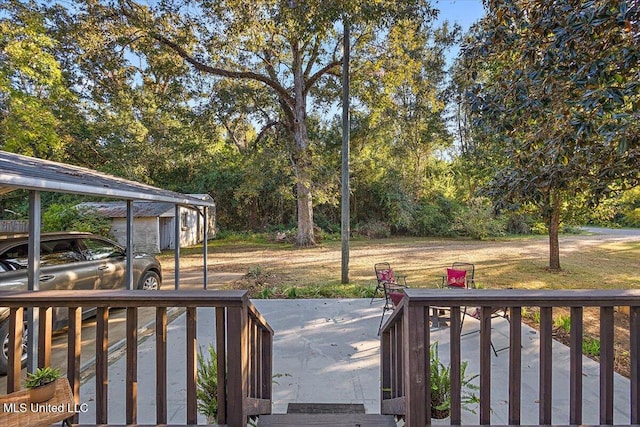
[
  {"x": 272, "y": 270},
  {"x": 588, "y": 262}
]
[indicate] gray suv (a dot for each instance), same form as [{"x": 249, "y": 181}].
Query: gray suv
[{"x": 69, "y": 261}]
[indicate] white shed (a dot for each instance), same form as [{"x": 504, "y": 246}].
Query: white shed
[{"x": 154, "y": 223}]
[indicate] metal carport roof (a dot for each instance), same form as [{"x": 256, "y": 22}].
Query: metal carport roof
[
  {"x": 36, "y": 175},
  {"x": 23, "y": 172}
]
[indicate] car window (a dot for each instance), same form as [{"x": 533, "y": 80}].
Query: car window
[
  {"x": 101, "y": 249},
  {"x": 52, "y": 252},
  {"x": 4, "y": 267},
  {"x": 56, "y": 252},
  {"x": 16, "y": 257}
]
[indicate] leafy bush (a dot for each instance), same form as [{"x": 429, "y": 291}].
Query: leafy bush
[
  {"x": 478, "y": 221},
  {"x": 373, "y": 230},
  {"x": 518, "y": 223},
  {"x": 435, "y": 218},
  {"x": 440, "y": 380},
  {"x": 64, "y": 217}
]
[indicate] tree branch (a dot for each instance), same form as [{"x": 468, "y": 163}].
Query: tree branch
[
  {"x": 248, "y": 75},
  {"x": 324, "y": 70}
]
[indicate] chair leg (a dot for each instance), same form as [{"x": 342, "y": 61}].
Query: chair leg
[
  {"x": 464, "y": 313},
  {"x": 375, "y": 293}
]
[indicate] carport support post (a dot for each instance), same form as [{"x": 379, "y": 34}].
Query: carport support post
[
  {"x": 129, "y": 278},
  {"x": 176, "y": 248},
  {"x": 205, "y": 248},
  {"x": 33, "y": 276}
]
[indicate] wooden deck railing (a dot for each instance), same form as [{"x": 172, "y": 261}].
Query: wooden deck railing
[
  {"x": 406, "y": 337},
  {"x": 243, "y": 345}
]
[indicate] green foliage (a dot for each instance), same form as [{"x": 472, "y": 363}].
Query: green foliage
[
  {"x": 436, "y": 216},
  {"x": 373, "y": 229},
  {"x": 440, "y": 380},
  {"x": 33, "y": 90},
  {"x": 591, "y": 346},
  {"x": 255, "y": 272},
  {"x": 554, "y": 103},
  {"x": 42, "y": 376},
  {"x": 478, "y": 221},
  {"x": 563, "y": 322},
  {"x": 66, "y": 217},
  {"x": 207, "y": 384}
]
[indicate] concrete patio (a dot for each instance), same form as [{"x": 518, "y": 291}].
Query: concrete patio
[{"x": 327, "y": 351}]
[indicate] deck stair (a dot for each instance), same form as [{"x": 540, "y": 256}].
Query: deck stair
[{"x": 326, "y": 414}]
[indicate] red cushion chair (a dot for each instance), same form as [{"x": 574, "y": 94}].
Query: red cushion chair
[{"x": 456, "y": 278}]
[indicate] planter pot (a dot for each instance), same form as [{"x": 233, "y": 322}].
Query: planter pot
[
  {"x": 441, "y": 421},
  {"x": 43, "y": 392}
]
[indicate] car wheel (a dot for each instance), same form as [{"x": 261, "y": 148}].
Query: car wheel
[
  {"x": 150, "y": 281},
  {"x": 4, "y": 339}
]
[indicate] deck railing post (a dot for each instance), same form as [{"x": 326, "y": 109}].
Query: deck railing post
[
  {"x": 191, "y": 362},
  {"x": 515, "y": 365},
  {"x": 485, "y": 365},
  {"x": 132, "y": 366},
  {"x": 221, "y": 355},
  {"x": 161, "y": 365},
  {"x": 416, "y": 366},
  {"x": 575, "y": 374},
  {"x": 606, "y": 365},
  {"x": 16, "y": 322},
  {"x": 634, "y": 329},
  {"x": 237, "y": 366},
  {"x": 74, "y": 349},
  {"x": 267, "y": 365}
]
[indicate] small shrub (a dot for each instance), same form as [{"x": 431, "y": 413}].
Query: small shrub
[
  {"x": 291, "y": 292},
  {"x": 591, "y": 346},
  {"x": 255, "y": 272},
  {"x": 518, "y": 223},
  {"x": 373, "y": 230},
  {"x": 207, "y": 384},
  {"x": 440, "y": 380},
  {"x": 478, "y": 222},
  {"x": 563, "y": 322},
  {"x": 535, "y": 315}
]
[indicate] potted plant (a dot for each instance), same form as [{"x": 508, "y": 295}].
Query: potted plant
[
  {"x": 440, "y": 379},
  {"x": 207, "y": 385},
  {"x": 41, "y": 383}
]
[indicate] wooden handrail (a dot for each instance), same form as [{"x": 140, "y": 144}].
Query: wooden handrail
[
  {"x": 244, "y": 342},
  {"x": 414, "y": 340}
]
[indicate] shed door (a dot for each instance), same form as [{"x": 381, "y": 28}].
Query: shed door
[{"x": 166, "y": 233}]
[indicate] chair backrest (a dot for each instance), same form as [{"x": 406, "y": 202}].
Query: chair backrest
[
  {"x": 470, "y": 269},
  {"x": 384, "y": 273}
]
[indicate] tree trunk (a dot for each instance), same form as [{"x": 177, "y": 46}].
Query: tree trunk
[
  {"x": 554, "y": 228},
  {"x": 302, "y": 159}
]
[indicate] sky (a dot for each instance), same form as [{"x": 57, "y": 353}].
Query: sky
[{"x": 463, "y": 12}]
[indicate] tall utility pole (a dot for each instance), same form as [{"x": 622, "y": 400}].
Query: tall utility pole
[{"x": 346, "y": 216}]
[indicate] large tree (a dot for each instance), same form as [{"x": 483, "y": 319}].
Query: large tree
[
  {"x": 282, "y": 49},
  {"x": 555, "y": 103},
  {"x": 33, "y": 90}
]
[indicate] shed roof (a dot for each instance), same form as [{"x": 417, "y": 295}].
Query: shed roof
[{"x": 23, "y": 172}]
